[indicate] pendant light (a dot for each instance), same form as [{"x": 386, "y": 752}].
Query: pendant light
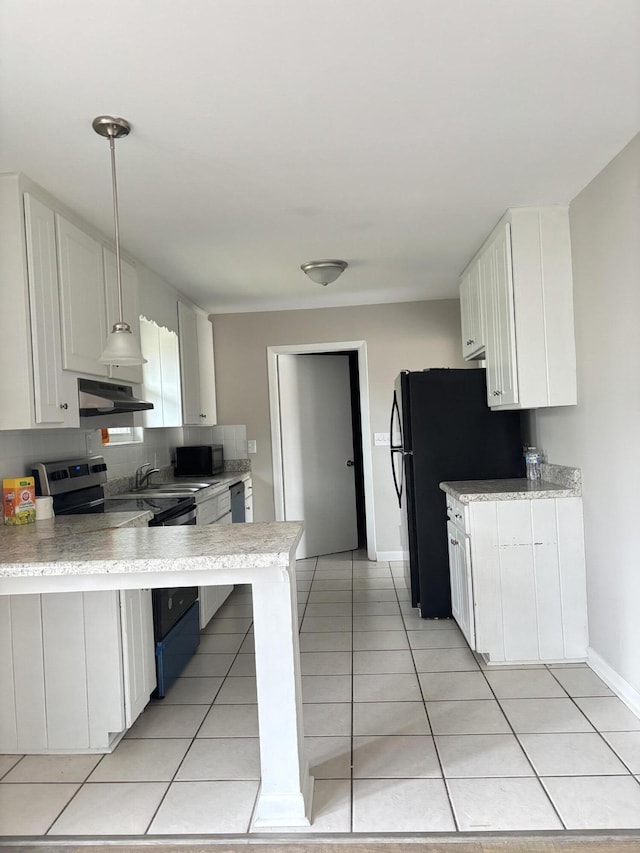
[
  {"x": 324, "y": 272},
  {"x": 121, "y": 348}
]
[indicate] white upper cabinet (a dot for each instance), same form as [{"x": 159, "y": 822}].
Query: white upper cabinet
[
  {"x": 525, "y": 310},
  {"x": 160, "y": 375},
  {"x": 129, "y": 307},
  {"x": 54, "y": 391},
  {"x": 472, "y": 309},
  {"x": 82, "y": 291},
  {"x": 196, "y": 367},
  {"x": 502, "y": 379},
  {"x": 34, "y": 389}
]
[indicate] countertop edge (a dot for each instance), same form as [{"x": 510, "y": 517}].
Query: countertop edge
[{"x": 566, "y": 483}]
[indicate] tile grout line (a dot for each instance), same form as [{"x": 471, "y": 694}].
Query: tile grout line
[
  {"x": 173, "y": 780},
  {"x": 524, "y": 751},
  {"x": 424, "y": 704},
  {"x": 597, "y": 730}
]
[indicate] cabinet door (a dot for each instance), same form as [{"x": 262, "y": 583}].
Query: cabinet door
[
  {"x": 206, "y": 371},
  {"x": 138, "y": 652},
  {"x": 248, "y": 508},
  {"x": 461, "y": 582},
  {"x": 170, "y": 367},
  {"x": 472, "y": 313},
  {"x": 189, "y": 366},
  {"x": 160, "y": 375},
  {"x": 84, "y": 322},
  {"x": 129, "y": 308},
  {"x": 55, "y": 395},
  {"x": 151, "y": 373},
  {"x": 502, "y": 382}
]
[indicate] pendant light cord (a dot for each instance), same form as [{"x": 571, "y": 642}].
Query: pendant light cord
[{"x": 112, "y": 146}]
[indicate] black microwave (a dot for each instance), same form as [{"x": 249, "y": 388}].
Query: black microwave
[{"x": 203, "y": 460}]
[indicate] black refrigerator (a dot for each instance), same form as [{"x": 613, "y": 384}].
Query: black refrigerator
[{"x": 442, "y": 429}]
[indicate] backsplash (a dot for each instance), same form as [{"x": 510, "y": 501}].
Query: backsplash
[
  {"x": 232, "y": 438},
  {"x": 19, "y": 449}
]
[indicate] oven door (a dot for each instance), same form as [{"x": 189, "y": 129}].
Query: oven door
[{"x": 169, "y": 606}]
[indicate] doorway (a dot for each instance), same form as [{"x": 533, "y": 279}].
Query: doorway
[{"x": 318, "y": 393}]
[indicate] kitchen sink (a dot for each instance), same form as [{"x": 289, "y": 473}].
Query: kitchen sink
[
  {"x": 187, "y": 485},
  {"x": 157, "y": 493}
]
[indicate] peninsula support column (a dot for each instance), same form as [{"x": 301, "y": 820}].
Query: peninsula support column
[{"x": 287, "y": 788}]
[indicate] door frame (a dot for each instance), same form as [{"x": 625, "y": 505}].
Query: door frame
[{"x": 359, "y": 347}]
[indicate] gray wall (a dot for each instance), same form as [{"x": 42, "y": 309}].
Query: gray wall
[
  {"x": 409, "y": 335},
  {"x": 601, "y": 434}
]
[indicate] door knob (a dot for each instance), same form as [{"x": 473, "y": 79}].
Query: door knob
[{"x": 350, "y": 463}]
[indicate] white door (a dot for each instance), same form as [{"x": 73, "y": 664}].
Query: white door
[{"x": 317, "y": 445}]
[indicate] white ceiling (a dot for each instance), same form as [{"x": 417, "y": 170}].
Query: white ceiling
[{"x": 266, "y": 133}]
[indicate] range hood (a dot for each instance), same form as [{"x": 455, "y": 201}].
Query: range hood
[{"x": 99, "y": 399}]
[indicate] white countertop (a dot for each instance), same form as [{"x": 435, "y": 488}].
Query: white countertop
[
  {"x": 121, "y": 551},
  {"x": 559, "y": 482}
]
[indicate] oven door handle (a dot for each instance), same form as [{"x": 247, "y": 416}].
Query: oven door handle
[{"x": 188, "y": 517}]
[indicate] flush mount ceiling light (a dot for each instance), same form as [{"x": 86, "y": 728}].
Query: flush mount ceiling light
[
  {"x": 121, "y": 348},
  {"x": 324, "y": 272}
]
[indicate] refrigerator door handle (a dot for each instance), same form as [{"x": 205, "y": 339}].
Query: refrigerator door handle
[{"x": 395, "y": 410}]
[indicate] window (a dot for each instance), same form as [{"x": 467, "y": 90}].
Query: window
[{"x": 121, "y": 435}]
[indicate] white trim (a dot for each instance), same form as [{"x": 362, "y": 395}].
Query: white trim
[
  {"x": 390, "y": 555},
  {"x": 629, "y": 695},
  {"x": 360, "y": 347}
]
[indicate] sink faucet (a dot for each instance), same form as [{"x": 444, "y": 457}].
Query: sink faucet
[{"x": 142, "y": 474}]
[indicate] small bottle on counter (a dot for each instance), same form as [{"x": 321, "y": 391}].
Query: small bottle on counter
[{"x": 532, "y": 458}]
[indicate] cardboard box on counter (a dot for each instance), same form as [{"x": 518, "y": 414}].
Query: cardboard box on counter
[{"x": 19, "y": 500}]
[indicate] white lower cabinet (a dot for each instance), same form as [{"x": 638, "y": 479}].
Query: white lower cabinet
[
  {"x": 216, "y": 510},
  {"x": 76, "y": 669},
  {"x": 518, "y": 584},
  {"x": 248, "y": 500},
  {"x": 461, "y": 582}
]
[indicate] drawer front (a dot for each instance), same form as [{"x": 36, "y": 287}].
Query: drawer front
[{"x": 457, "y": 513}]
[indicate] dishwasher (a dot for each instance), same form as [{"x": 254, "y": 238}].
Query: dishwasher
[{"x": 237, "y": 502}]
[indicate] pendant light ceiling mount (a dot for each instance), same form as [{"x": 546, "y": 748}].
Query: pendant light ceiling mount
[
  {"x": 110, "y": 127},
  {"x": 324, "y": 272},
  {"x": 122, "y": 347}
]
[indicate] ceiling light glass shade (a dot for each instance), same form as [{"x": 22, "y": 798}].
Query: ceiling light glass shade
[
  {"x": 122, "y": 348},
  {"x": 324, "y": 272}
]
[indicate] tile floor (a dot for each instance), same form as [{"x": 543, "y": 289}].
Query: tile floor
[{"x": 406, "y": 731}]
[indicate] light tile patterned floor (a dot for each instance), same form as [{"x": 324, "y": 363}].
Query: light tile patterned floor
[{"x": 406, "y": 731}]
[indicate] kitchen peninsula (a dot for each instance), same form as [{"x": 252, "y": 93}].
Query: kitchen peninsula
[{"x": 262, "y": 555}]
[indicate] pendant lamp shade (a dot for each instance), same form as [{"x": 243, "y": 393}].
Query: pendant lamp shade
[{"x": 121, "y": 348}]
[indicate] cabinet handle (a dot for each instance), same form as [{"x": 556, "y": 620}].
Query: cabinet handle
[
  {"x": 454, "y": 542},
  {"x": 202, "y": 415},
  {"x": 469, "y": 342},
  {"x": 64, "y": 405},
  {"x": 497, "y": 393}
]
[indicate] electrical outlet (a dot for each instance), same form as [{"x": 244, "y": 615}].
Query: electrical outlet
[
  {"x": 91, "y": 442},
  {"x": 251, "y": 446},
  {"x": 381, "y": 439}
]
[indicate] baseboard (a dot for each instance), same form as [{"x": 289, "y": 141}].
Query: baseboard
[
  {"x": 386, "y": 556},
  {"x": 629, "y": 695}
]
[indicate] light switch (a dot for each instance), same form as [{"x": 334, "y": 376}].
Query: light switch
[
  {"x": 251, "y": 446},
  {"x": 381, "y": 439}
]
